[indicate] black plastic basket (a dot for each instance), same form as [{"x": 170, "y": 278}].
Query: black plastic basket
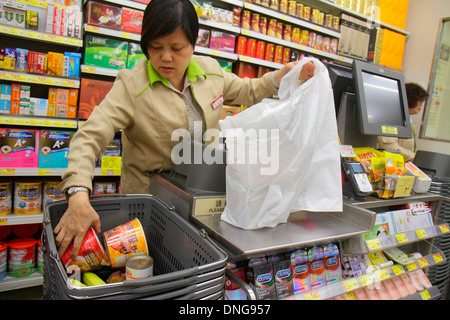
[{"x": 187, "y": 264}]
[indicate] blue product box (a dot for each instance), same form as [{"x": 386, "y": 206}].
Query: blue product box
[
  {"x": 5, "y": 93},
  {"x": 5, "y": 106},
  {"x": 54, "y": 148},
  {"x": 72, "y": 64},
  {"x": 21, "y": 59}
]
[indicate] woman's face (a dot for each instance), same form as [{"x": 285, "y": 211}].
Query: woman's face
[
  {"x": 416, "y": 108},
  {"x": 170, "y": 56}
]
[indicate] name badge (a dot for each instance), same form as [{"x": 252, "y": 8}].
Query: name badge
[{"x": 217, "y": 101}]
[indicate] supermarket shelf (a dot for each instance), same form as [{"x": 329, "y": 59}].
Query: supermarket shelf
[
  {"x": 41, "y": 172},
  {"x": 260, "y": 62},
  {"x": 10, "y": 283},
  {"x": 37, "y": 78},
  {"x": 216, "y": 53},
  {"x": 128, "y": 3},
  {"x": 427, "y": 294},
  {"x": 112, "y": 32},
  {"x": 35, "y": 121},
  {"x": 15, "y": 219},
  {"x": 40, "y": 36},
  {"x": 99, "y": 70},
  {"x": 218, "y": 25}
]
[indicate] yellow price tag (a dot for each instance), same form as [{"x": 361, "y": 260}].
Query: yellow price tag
[
  {"x": 351, "y": 284},
  {"x": 3, "y": 221},
  {"x": 313, "y": 295},
  {"x": 404, "y": 186},
  {"x": 8, "y": 171},
  {"x": 398, "y": 269},
  {"x": 444, "y": 228},
  {"x": 401, "y": 237},
  {"x": 421, "y": 233},
  {"x": 422, "y": 262},
  {"x": 111, "y": 165},
  {"x": 44, "y": 172},
  {"x": 425, "y": 295},
  {"x": 373, "y": 244},
  {"x": 411, "y": 266},
  {"x": 384, "y": 274},
  {"x": 438, "y": 257}
]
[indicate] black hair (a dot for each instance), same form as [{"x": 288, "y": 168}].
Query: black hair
[
  {"x": 414, "y": 94},
  {"x": 163, "y": 17}
]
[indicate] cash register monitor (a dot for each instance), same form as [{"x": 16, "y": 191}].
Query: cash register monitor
[{"x": 381, "y": 101}]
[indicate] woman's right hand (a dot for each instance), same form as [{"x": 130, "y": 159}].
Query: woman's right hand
[{"x": 75, "y": 222}]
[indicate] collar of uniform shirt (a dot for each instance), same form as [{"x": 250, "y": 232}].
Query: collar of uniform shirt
[{"x": 192, "y": 72}]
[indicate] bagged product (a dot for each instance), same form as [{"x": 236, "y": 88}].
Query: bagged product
[{"x": 283, "y": 156}]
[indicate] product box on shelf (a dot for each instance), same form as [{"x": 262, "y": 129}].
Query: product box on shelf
[
  {"x": 103, "y": 15},
  {"x": 14, "y": 14},
  {"x": 32, "y": 20},
  {"x": 92, "y": 92},
  {"x": 38, "y": 106},
  {"x": 21, "y": 59},
  {"x": 135, "y": 54},
  {"x": 222, "y": 41},
  {"x": 132, "y": 20},
  {"x": 105, "y": 53},
  {"x": 37, "y": 62},
  {"x": 203, "y": 38},
  {"x": 54, "y": 148},
  {"x": 19, "y": 148},
  {"x": 72, "y": 63},
  {"x": 55, "y": 63},
  {"x": 9, "y": 59}
]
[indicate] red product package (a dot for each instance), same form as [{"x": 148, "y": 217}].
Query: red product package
[
  {"x": 37, "y": 62},
  {"x": 132, "y": 20},
  {"x": 92, "y": 92},
  {"x": 103, "y": 15}
]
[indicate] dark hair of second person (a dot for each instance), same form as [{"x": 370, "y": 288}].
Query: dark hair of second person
[
  {"x": 163, "y": 17},
  {"x": 415, "y": 93}
]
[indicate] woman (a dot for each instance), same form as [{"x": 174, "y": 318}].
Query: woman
[
  {"x": 169, "y": 90},
  {"x": 416, "y": 96}
]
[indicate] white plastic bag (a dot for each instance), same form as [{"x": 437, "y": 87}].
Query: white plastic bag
[{"x": 283, "y": 156}]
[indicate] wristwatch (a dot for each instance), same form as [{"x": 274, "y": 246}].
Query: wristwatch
[{"x": 73, "y": 190}]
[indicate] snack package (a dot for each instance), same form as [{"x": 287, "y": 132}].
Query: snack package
[{"x": 394, "y": 167}]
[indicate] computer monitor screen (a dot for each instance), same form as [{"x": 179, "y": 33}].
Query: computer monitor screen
[{"x": 381, "y": 101}]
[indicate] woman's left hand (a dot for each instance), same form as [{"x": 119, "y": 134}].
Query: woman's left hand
[{"x": 306, "y": 73}]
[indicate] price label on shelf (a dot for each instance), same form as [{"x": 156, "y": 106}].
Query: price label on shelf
[
  {"x": 411, "y": 266},
  {"x": 398, "y": 269},
  {"x": 401, "y": 237},
  {"x": 8, "y": 171},
  {"x": 373, "y": 244},
  {"x": 351, "y": 284},
  {"x": 444, "y": 228},
  {"x": 425, "y": 295},
  {"x": 3, "y": 221},
  {"x": 421, "y": 233},
  {"x": 313, "y": 295},
  {"x": 422, "y": 262},
  {"x": 111, "y": 165},
  {"x": 438, "y": 257}
]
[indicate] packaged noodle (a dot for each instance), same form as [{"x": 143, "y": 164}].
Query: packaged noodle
[{"x": 394, "y": 167}]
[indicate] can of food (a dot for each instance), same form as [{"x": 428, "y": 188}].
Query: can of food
[
  {"x": 265, "y": 3},
  {"x": 286, "y": 55},
  {"x": 139, "y": 267},
  {"x": 292, "y": 8},
  {"x": 279, "y": 30},
  {"x": 104, "y": 188},
  {"x": 263, "y": 25},
  {"x": 245, "y": 19},
  {"x": 278, "y": 55},
  {"x": 241, "y": 43},
  {"x": 328, "y": 21},
  {"x": 22, "y": 257},
  {"x": 312, "y": 39},
  {"x": 334, "y": 45},
  {"x": 270, "y": 49},
  {"x": 319, "y": 42},
  {"x": 315, "y": 16},
  {"x": 296, "y": 35},
  {"x": 326, "y": 44},
  {"x": 3, "y": 259},
  {"x": 307, "y": 13},
  {"x": 300, "y": 10},
  {"x": 125, "y": 241},
  {"x": 284, "y": 6},
  {"x": 272, "y": 28},
  {"x": 254, "y": 25},
  {"x": 250, "y": 48},
  {"x": 27, "y": 197},
  {"x": 274, "y": 4},
  {"x": 260, "y": 50},
  {"x": 51, "y": 192},
  {"x": 287, "y": 32},
  {"x": 304, "y": 37},
  {"x": 5, "y": 197},
  {"x": 336, "y": 22},
  {"x": 91, "y": 255}
]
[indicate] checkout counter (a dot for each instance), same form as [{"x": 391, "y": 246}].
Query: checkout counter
[{"x": 197, "y": 192}]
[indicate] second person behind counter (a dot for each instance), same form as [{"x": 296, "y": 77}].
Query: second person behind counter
[
  {"x": 168, "y": 90},
  {"x": 416, "y": 96}
]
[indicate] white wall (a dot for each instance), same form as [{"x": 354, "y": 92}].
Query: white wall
[{"x": 422, "y": 23}]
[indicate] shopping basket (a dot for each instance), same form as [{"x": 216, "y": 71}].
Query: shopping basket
[{"x": 187, "y": 264}]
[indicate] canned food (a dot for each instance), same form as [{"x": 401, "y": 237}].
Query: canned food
[
  {"x": 272, "y": 28},
  {"x": 312, "y": 39},
  {"x": 278, "y": 55},
  {"x": 245, "y": 19},
  {"x": 336, "y": 22},
  {"x": 270, "y": 49},
  {"x": 307, "y": 13},
  {"x": 274, "y": 4},
  {"x": 265, "y": 3},
  {"x": 286, "y": 56},
  {"x": 319, "y": 42},
  {"x": 22, "y": 257},
  {"x": 139, "y": 267},
  {"x": 254, "y": 26},
  {"x": 304, "y": 37},
  {"x": 279, "y": 30},
  {"x": 250, "y": 48},
  {"x": 263, "y": 25},
  {"x": 292, "y": 8},
  {"x": 5, "y": 197},
  {"x": 334, "y": 45},
  {"x": 329, "y": 21},
  {"x": 91, "y": 255},
  {"x": 28, "y": 197},
  {"x": 296, "y": 35},
  {"x": 125, "y": 241},
  {"x": 315, "y": 15},
  {"x": 287, "y": 32},
  {"x": 241, "y": 43},
  {"x": 51, "y": 192},
  {"x": 284, "y": 6},
  {"x": 260, "y": 50},
  {"x": 300, "y": 10}
]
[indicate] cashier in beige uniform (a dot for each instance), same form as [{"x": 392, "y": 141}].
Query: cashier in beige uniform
[
  {"x": 168, "y": 90},
  {"x": 416, "y": 96}
]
